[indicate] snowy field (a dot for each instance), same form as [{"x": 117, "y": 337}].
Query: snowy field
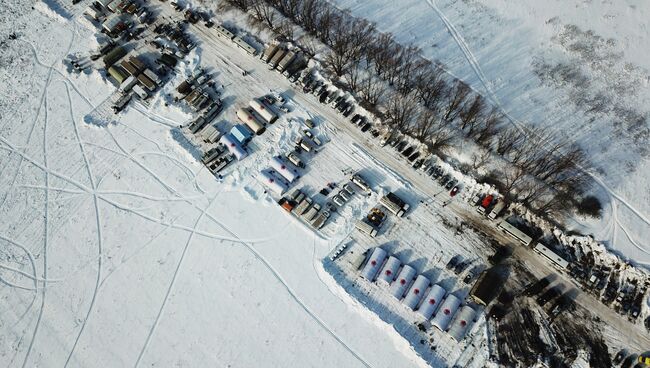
[
  {"x": 119, "y": 248},
  {"x": 560, "y": 65}
]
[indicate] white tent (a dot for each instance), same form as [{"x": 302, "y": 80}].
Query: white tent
[
  {"x": 462, "y": 323},
  {"x": 389, "y": 271},
  {"x": 446, "y": 312},
  {"x": 402, "y": 282},
  {"x": 416, "y": 292},
  {"x": 432, "y": 301},
  {"x": 374, "y": 264}
]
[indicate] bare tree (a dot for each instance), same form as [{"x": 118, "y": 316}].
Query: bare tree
[
  {"x": 470, "y": 113},
  {"x": 353, "y": 76},
  {"x": 431, "y": 87},
  {"x": 455, "y": 99},
  {"x": 263, "y": 13},
  {"x": 506, "y": 139},
  {"x": 372, "y": 89},
  {"x": 486, "y": 129},
  {"x": 400, "y": 111}
]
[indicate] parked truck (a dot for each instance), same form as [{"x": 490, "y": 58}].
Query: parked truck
[
  {"x": 497, "y": 209},
  {"x": 275, "y": 60},
  {"x": 270, "y": 51},
  {"x": 286, "y": 61},
  {"x": 394, "y": 204}
]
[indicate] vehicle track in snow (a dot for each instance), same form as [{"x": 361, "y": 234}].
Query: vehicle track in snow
[
  {"x": 161, "y": 310},
  {"x": 476, "y": 67},
  {"x": 99, "y": 230}
]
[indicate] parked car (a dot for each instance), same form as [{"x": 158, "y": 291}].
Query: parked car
[
  {"x": 451, "y": 183},
  {"x": 454, "y": 191},
  {"x": 417, "y": 163},
  {"x": 444, "y": 179},
  {"x": 309, "y": 123},
  {"x": 348, "y": 188}
]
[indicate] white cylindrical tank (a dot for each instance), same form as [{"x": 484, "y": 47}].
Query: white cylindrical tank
[
  {"x": 402, "y": 282},
  {"x": 415, "y": 293},
  {"x": 233, "y": 146},
  {"x": 266, "y": 113},
  {"x": 446, "y": 312},
  {"x": 432, "y": 301},
  {"x": 374, "y": 264},
  {"x": 274, "y": 183},
  {"x": 389, "y": 271},
  {"x": 287, "y": 170},
  {"x": 461, "y": 324},
  {"x": 247, "y": 117}
]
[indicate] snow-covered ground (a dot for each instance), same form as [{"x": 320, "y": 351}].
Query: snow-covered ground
[
  {"x": 563, "y": 66},
  {"x": 118, "y": 246}
]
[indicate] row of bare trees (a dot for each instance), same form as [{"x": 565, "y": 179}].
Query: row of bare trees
[{"x": 417, "y": 97}]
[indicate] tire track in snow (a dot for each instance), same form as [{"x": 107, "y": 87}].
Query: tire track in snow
[
  {"x": 99, "y": 231},
  {"x": 46, "y": 214},
  {"x": 474, "y": 64},
  {"x": 293, "y": 295},
  {"x": 161, "y": 310}
]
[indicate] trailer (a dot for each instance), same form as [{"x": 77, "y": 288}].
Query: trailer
[
  {"x": 117, "y": 73},
  {"x": 113, "y": 56},
  {"x": 360, "y": 182},
  {"x": 151, "y": 75},
  {"x": 213, "y": 153},
  {"x": 303, "y": 206},
  {"x": 416, "y": 292},
  {"x": 311, "y": 213},
  {"x": 210, "y": 133},
  {"x": 244, "y": 45},
  {"x": 287, "y": 170},
  {"x": 264, "y": 111},
  {"x": 374, "y": 264},
  {"x": 461, "y": 324},
  {"x": 432, "y": 301},
  {"x": 247, "y": 116},
  {"x": 402, "y": 282},
  {"x": 275, "y": 60},
  {"x": 389, "y": 271},
  {"x": 219, "y": 164},
  {"x": 91, "y": 12},
  {"x": 127, "y": 84},
  {"x": 224, "y": 32},
  {"x": 140, "y": 92},
  {"x": 446, "y": 312},
  {"x": 270, "y": 51},
  {"x": 319, "y": 220},
  {"x": 497, "y": 209},
  {"x": 366, "y": 228},
  {"x": 151, "y": 86},
  {"x": 121, "y": 102},
  {"x": 288, "y": 58},
  {"x": 394, "y": 204}
]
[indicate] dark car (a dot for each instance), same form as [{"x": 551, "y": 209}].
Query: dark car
[
  {"x": 549, "y": 295},
  {"x": 355, "y": 118},
  {"x": 418, "y": 163},
  {"x": 366, "y": 127},
  {"x": 408, "y": 151},
  {"x": 414, "y": 156},
  {"x": 451, "y": 183},
  {"x": 619, "y": 356},
  {"x": 322, "y": 97},
  {"x": 445, "y": 179},
  {"x": 453, "y": 262}
]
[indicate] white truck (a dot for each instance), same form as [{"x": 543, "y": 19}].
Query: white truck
[
  {"x": 128, "y": 84},
  {"x": 140, "y": 92}
]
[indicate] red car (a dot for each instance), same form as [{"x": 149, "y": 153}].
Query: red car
[{"x": 454, "y": 191}]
